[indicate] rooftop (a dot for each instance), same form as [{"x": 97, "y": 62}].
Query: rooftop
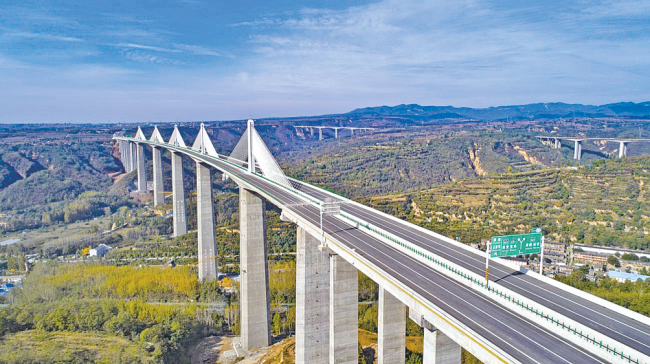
[{"x": 629, "y": 276}]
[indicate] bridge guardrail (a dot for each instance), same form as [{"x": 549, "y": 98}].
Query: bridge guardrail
[
  {"x": 223, "y": 159},
  {"x": 595, "y": 299},
  {"x": 571, "y": 330}
]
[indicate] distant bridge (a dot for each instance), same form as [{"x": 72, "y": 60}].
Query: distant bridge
[
  {"x": 556, "y": 142},
  {"x": 517, "y": 317},
  {"x": 335, "y": 128}
]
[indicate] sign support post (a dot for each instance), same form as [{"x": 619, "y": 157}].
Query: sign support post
[
  {"x": 328, "y": 207},
  {"x": 541, "y": 259},
  {"x": 487, "y": 259},
  {"x": 322, "y": 232}
]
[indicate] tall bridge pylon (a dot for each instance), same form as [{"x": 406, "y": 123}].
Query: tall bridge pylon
[
  {"x": 203, "y": 144},
  {"x": 252, "y": 150}
]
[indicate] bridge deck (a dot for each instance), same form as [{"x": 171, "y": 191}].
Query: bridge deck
[
  {"x": 627, "y": 140},
  {"x": 627, "y": 330}
]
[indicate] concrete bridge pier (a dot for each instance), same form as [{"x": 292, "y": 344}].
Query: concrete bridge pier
[
  {"x": 133, "y": 156},
  {"x": 311, "y": 131},
  {"x": 622, "y": 149},
  {"x": 344, "y": 311},
  {"x": 392, "y": 329},
  {"x": 439, "y": 348},
  {"x": 351, "y": 132},
  {"x": 336, "y": 133},
  {"x": 142, "y": 173},
  {"x": 120, "y": 145},
  {"x": 320, "y": 133},
  {"x": 127, "y": 155},
  {"x": 577, "y": 150},
  {"x": 158, "y": 195},
  {"x": 254, "y": 277},
  {"x": 312, "y": 300},
  {"x": 178, "y": 196},
  {"x": 558, "y": 144},
  {"x": 205, "y": 223},
  {"x": 124, "y": 157}
]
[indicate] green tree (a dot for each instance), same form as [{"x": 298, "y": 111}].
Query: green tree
[
  {"x": 277, "y": 324},
  {"x": 613, "y": 260},
  {"x": 414, "y": 359},
  {"x": 630, "y": 256}
]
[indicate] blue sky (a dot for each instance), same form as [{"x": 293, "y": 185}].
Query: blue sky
[{"x": 182, "y": 60}]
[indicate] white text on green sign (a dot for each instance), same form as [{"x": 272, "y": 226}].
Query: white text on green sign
[{"x": 522, "y": 244}]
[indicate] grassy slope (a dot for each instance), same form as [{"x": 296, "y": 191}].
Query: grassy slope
[{"x": 36, "y": 346}]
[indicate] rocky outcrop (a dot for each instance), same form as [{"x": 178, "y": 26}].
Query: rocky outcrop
[
  {"x": 476, "y": 161},
  {"x": 529, "y": 158}
]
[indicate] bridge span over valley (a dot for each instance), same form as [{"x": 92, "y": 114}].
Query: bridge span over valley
[{"x": 518, "y": 316}]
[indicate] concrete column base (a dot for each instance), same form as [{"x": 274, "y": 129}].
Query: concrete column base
[
  {"x": 312, "y": 301},
  {"x": 439, "y": 348},
  {"x": 577, "y": 150},
  {"x": 391, "y": 339},
  {"x": 622, "y": 149},
  {"x": 344, "y": 311},
  {"x": 254, "y": 289}
]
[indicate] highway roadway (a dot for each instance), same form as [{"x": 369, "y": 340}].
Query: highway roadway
[
  {"x": 625, "y": 329},
  {"x": 512, "y": 333}
]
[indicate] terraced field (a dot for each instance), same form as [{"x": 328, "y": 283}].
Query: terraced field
[{"x": 604, "y": 203}]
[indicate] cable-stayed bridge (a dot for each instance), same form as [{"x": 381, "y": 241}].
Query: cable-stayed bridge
[{"x": 518, "y": 316}]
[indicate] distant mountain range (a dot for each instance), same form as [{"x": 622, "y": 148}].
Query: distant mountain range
[{"x": 531, "y": 111}]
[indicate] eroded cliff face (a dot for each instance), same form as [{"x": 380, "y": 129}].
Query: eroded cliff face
[
  {"x": 529, "y": 158},
  {"x": 416, "y": 210},
  {"x": 476, "y": 161}
]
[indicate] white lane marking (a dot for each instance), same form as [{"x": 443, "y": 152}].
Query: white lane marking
[
  {"x": 521, "y": 280},
  {"x": 495, "y": 304},
  {"x": 292, "y": 197},
  {"x": 469, "y": 291},
  {"x": 569, "y": 344}
]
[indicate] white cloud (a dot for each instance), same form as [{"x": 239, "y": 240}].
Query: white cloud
[
  {"x": 144, "y": 57},
  {"x": 147, "y": 47},
  {"x": 131, "y": 33},
  {"x": 473, "y": 53},
  {"x": 194, "y": 49},
  {"x": 317, "y": 61},
  {"x": 46, "y": 36}
]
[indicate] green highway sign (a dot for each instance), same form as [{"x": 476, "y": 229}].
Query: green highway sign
[
  {"x": 509, "y": 245},
  {"x": 536, "y": 230}
]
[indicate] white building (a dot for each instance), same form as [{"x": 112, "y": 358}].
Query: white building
[
  {"x": 622, "y": 276},
  {"x": 99, "y": 251}
]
